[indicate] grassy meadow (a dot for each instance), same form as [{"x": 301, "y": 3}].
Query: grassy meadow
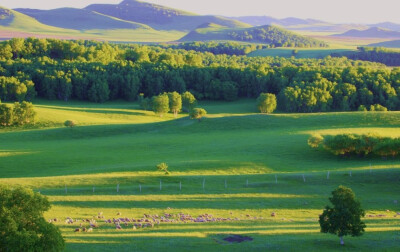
[{"x": 250, "y": 165}]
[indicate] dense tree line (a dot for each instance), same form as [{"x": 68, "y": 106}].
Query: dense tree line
[
  {"x": 99, "y": 72},
  {"x": 376, "y": 54},
  {"x": 361, "y": 145},
  {"x": 18, "y": 114},
  {"x": 229, "y": 48},
  {"x": 275, "y": 37}
]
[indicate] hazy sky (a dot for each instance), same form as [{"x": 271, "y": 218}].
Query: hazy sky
[{"x": 340, "y": 11}]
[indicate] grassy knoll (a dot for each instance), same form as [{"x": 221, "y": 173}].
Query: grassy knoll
[
  {"x": 251, "y": 165},
  {"x": 302, "y": 53}
]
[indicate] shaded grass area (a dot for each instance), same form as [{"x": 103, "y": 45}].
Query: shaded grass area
[{"x": 250, "y": 165}]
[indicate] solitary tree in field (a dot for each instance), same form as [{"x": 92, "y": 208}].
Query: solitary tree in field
[
  {"x": 175, "y": 102},
  {"x": 22, "y": 225},
  {"x": 198, "y": 113},
  {"x": 188, "y": 101},
  {"x": 163, "y": 167},
  {"x": 266, "y": 103},
  {"x": 344, "y": 218},
  {"x": 69, "y": 123},
  {"x": 161, "y": 104}
]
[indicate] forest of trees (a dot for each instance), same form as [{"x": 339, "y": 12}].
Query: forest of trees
[
  {"x": 98, "y": 72},
  {"x": 229, "y": 48},
  {"x": 386, "y": 56},
  {"x": 275, "y": 37}
]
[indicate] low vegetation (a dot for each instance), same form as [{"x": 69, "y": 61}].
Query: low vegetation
[
  {"x": 353, "y": 144},
  {"x": 17, "y": 114}
]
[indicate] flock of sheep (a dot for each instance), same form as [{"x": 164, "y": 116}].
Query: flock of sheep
[{"x": 147, "y": 221}]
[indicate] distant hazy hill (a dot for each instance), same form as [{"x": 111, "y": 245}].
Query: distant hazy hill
[
  {"x": 160, "y": 17},
  {"x": 79, "y": 19},
  {"x": 373, "y": 32},
  {"x": 263, "y": 34},
  {"x": 388, "y": 25},
  {"x": 388, "y": 44},
  {"x": 298, "y": 24},
  {"x": 266, "y": 20}
]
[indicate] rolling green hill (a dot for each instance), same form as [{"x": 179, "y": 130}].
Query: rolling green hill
[
  {"x": 271, "y": 35},
  {"x": 79, "y": 19},
  {"x": 16, "y": 24},
  {"x": 13, "y": 20},
  {"x": 302, "y": 53},
  {"x": 251, "y": 165},
  {"x": 160, "y": 17}
]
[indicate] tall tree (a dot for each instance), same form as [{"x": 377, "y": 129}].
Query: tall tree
[
  {"x": 344, "y": 218},
  {"x": 175, "y": 102},
  {"x": 161, "y": 104}
]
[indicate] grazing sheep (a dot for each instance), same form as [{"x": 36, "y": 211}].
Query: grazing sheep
[
  {"x": 273, "y": 214},
  {"x": 90, "y": 230},
  {"x": 77, "y": 230}
]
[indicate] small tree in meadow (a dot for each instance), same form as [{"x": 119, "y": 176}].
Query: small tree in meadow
[
  {"x": 198, "y": 113},
  {"x": 188, "y": 101},
  {"x": 70, "y": 123},
  {"x": 175, "y": 102},
  {"x": 344, "y": 218},
  {"x": 163, "y": 167},
  {"x": 315, "y": 141},
  {"x": 266, "y": 103},
  {"x": 161, "y": 104}
]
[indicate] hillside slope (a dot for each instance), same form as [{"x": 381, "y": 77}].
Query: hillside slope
[
  {"x": 13, "y": 20},
  {"x": 388, "y": 44},
  {"x": 271, "y": 35},
  {"x": 373, "y": 32},
  {"x": 79, "y": 19},
  {"x": 160, "y": 17}
]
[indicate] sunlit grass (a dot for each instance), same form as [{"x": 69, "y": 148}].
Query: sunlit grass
[{"x": 251, "y": 165}]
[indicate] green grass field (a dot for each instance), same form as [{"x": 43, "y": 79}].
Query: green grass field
[
  {"x": 302, "y": 53},
  {"x": 251, "y": 165}
]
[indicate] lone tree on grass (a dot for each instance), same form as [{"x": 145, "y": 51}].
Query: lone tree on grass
[
  {"x": 69, "y": 123},
  {"x": 22, "y": 225},
  {"x": 266, "y": 103},
  {"x": 161, "y": 104},
  {"x": 163, "y": 167},
  {"x": 344, "y": 218},
  {"x": 198, "y": 113}
]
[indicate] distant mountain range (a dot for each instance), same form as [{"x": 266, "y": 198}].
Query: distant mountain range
[
  {"x": 374, "y": 32},
  {"x": 133, "y": 20}
]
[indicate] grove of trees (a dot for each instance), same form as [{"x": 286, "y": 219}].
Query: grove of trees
[
  {"x": 361, "y": 145},
  {"x": 17, "y": 114},
  {"x": 98, "y": 72}
]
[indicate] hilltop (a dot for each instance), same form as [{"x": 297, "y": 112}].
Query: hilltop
[
  {"x": 268, "y": 34},
  {"x": 160, "y": 17},
  {"x": 79, "y": 19},
  {"x": 374, "y": 32}
]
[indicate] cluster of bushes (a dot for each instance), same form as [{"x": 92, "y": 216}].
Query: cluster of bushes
[
  {"x": 353, "y": 144},
  {"x": 99, "y": 72},
  {"x": 18, "y": 114},
  {"x": 374, "y": 107}
]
